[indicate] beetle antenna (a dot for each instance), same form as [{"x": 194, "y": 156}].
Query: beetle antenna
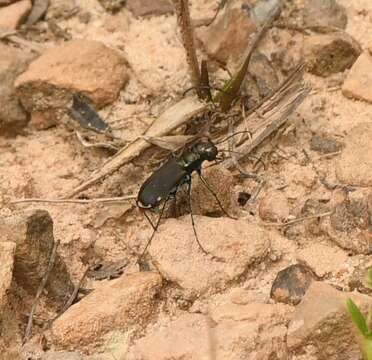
[{"x": 232, "y": 135}]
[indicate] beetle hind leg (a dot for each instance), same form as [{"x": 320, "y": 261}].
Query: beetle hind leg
[
  {"x": 192, "y": 217},
  {"x": 155, "y": 228}
]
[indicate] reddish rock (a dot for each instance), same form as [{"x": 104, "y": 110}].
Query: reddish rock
[
  {"x": 150, "y": 7},
  {"x": 116, "y": 305},
  {"x": 12, "y": 16},
  {"x": 85, "y": 66},
  {"x": 321, "y": 315},
  {"x": 327, "y": 54},
  {"x": 228, "y": 36},
  {"x": 274, "y": 207},
  {"x": 234, "y": 244},
  {"x": 358, "y": 84}
]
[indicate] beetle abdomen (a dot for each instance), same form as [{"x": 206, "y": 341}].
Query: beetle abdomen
[{"x": 161, "y": 183}]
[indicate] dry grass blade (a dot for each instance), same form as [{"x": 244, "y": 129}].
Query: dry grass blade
[
  {"x": 171, "y": 143},
  {"x": 274, "y": 112},
  {"x": 76, "y": 201},
  {"x": 184, "y": 22},
  {"x": 39, "y": 8},
  {"x": 177, "y": 115},
  {"x": 232, "y": 88}
]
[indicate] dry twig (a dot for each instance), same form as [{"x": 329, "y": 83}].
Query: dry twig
[
  {"x": 294, "y": 221},
  {"x": 70, "y": 299},
  {"x": 184, "y": 22},
  {"x": 76, "y": 201},
  {"x": 44, "y": 280}
]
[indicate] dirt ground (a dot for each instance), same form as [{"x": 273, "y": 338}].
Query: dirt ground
[{"x": 50, "y": 163}]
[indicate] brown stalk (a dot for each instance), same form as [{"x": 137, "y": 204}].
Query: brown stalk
[{"x": 187, "y": 34}]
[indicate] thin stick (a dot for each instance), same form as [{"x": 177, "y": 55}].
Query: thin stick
[
  {"x": 294, "y": 221},
  {"x": 184, "y": 22},
  {"x": 76, "y": 201},
  {"x": 44, "y": 280},
  {"x": 71, "y": 298}
]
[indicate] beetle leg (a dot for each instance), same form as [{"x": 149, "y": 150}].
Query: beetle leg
[
  {"x": 192, "y": 216},
  {"x": 206, "y": 184},
  {"x": 155, "y": 228},
  {"x": 149, "y": 219}
]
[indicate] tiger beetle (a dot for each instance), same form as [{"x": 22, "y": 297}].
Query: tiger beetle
[{"x": 164, "y": 183}]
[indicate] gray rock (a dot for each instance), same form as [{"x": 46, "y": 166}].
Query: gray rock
[
  {"x": 330, "y": 53},
  {"x": 290, "y": 284},
  {"x": 32, "y": 232},
  {"x": 326, "y": 13},
  {"x": 325, "y": 144}
]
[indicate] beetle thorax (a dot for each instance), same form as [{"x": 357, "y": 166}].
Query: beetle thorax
[{"x": 206, "y": 150}]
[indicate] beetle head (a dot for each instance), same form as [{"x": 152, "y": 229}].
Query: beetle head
[{"x": 206, "y": 149}]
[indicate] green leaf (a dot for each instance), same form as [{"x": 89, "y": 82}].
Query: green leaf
[
  {"x": 367, "y": 349},
  {"x": 358, "y": 318}
]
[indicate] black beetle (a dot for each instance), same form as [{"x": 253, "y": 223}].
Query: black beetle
[{"x": 175, "y": 172}]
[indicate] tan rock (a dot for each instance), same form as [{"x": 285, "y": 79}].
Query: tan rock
[
  {"x": 301, "y": 175},
  {"x": 228, "y": 36},
  {"x": 274, "y": 207},
  {"x": 13, "y": 118},
  {"x": 84, "y": 66},
  {"x": 63, "y": 355},
  {"x": 235, "y": 244},
  {"x": 195, "y": 336},
  {"x": 116, "y": 305},
  {"x": 7, "y": 252},
  {"x": 354, "y": 166},
  {"x": 150, "y": 7},
  {"x": 12, "y": 16},
  {"x": 330, "y": 53},
  {"x": 6, "y": 2},
  {"x": 358, "y": 84},
  {"x": 318, "y": 318},
  {"x": 322, "y": 259}
]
